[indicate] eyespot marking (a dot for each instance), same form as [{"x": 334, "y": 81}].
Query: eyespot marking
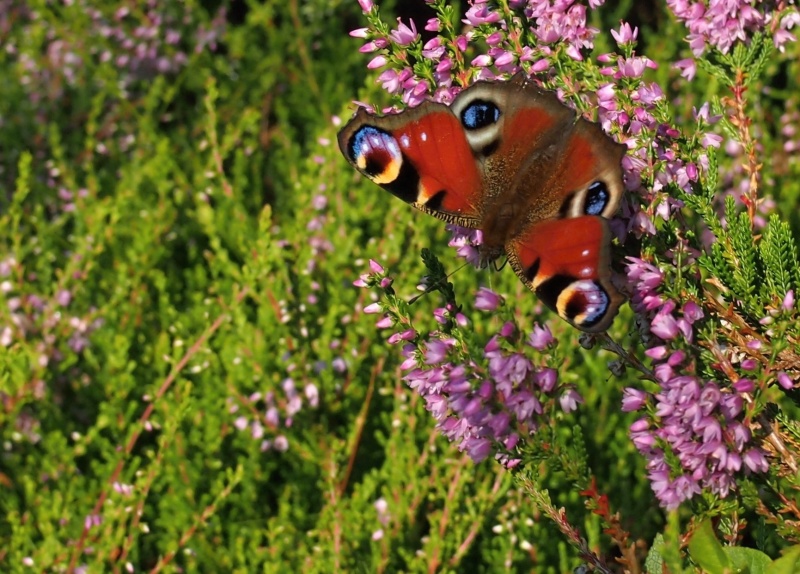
[
  {"x": 585, "y": 303},
  {"x": 376, "y": 153},
  {"x": 479, "y": 114},
  {"x": 550, "y": 289},
  {"x": 597, "y": 198}
]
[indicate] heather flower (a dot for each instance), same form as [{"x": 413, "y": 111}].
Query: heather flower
[
  {"x": 404, "y": 35},
  {"x": 487, "y": 300},
  {"x": 693, "y": 429},
  {"x": 785, "y": 381},
  {"x": 540, "y": 338}
]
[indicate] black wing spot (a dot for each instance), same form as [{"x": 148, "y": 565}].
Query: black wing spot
[
  {"x": 435, "y": 202},
  {"x": 532, "y": 271},
  {"x": 480, "y": 114},
  {"x": 406, "y": 184},
  {"x": 550, "y": 289},
  {"x": 597, "y": 198},
  {"x": 490, "y": 148}
]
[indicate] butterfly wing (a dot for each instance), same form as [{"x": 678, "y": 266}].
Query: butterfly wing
[
  {"x": 420, "y": 156},
  {"x": 551, "y": 178},
  {"x": 566, "y": 263}
]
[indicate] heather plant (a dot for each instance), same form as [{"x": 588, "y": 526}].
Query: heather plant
[
  {"x": 191, "y": 381},
  {"x": 711, "y": 273}
]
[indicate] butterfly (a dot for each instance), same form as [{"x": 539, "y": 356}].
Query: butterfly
[{"x": 511, "y": 160}]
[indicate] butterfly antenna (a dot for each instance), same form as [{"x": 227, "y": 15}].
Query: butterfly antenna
[{"x": 435, "y": 284}]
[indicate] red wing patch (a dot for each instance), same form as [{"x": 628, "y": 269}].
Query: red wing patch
[{"x": 566, "y": 263}]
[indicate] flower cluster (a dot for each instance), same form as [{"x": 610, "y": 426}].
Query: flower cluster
[
  {"x": 482, "y": 401},
  {"x": 530, "y": 33},
  {"x": 147, "y": 42},
  {"x": 46, "y": 323},
  {"x": 659, "y": 153},
  {"x": 45, "y": 317},
  {"x": 264, "y": 414},
  {"x": 721, "y": 23},
  {"x": 694, "y": 434}
]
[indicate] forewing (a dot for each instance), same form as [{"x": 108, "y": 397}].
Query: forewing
[{"x": 421, "y": 156}]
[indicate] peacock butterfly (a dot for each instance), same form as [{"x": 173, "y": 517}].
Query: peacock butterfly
[{"x": 510, "y": 159}]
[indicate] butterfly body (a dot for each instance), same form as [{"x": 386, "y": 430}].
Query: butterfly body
[{"x": 511, "y": 160}]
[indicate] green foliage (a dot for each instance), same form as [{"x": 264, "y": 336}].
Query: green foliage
[
  {"x": 189, "y": 379},
  {"x": 712, "y": 557},
  {"x": 779, "y": 256}
]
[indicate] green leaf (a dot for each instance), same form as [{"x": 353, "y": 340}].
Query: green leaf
[
  {"x": 748, "y": 560},
  {"x": 705, "y": 549},
  {"x": 786, "y": 564},
  {"x": 654, "y": 563}
]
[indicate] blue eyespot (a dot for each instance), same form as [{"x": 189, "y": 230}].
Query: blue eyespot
[
  {"x": 375, "y": 152},
  {"x": 596, "y": 199},
  {"x": 479, "y": 114}
]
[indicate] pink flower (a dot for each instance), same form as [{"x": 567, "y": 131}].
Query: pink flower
[
  {"x": 785, "y": 381},
  {"x": 487, "y": 300},
  {"x": 404, "y": 35},
  {"x": 625, "y": 34},
  {"x": 479, "y": 14},
  {"x": 569, "y": 400},
  {"x": 373, "y": 308},
  {"x": 377, "y": 62},
  {"x": 664, "y": 326},
  {"x": 433, "y": 25},
  {"x": 482, "y": 61},
  {"x": 687, "y": 67},
  {"x": 540, "y": 337},
  {"x": 633, "y": 399},
  {"x": 788, "y": 301}
]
